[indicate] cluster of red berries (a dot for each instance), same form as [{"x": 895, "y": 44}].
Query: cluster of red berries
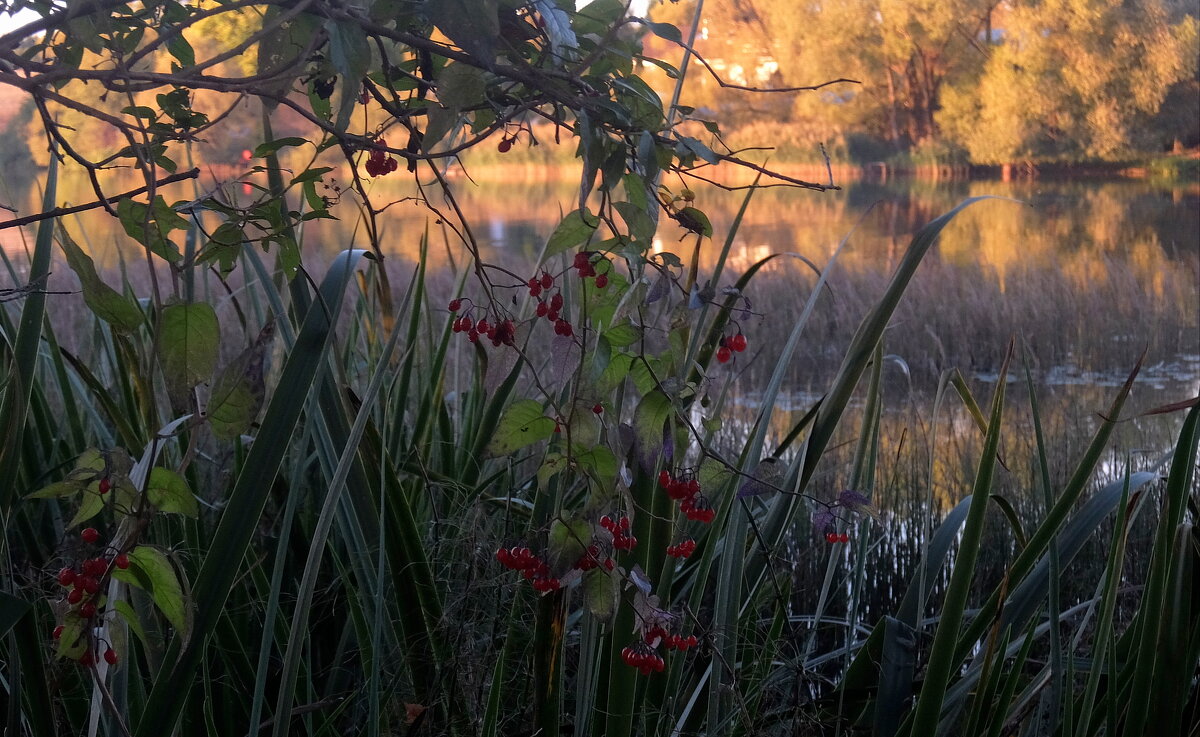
[
  {"x": 683, "y": 549},
  {"x": 833, "y": 537},
  {"x": 379, "y": 163},
  {"x": 683, "y": 487},
  {"x": 84, "y": 583},
  {"x": 671, "y": 641},
  {"x": 584, "y": 267},
  {"x": 727, "y": 346},
  {"x": 622, "y": 540},
  {"x": 686, "y": 489},
  {"x": 550, "y": 310},
  {"x": 698, "y": 509},
  {"x": 535, "y": 570},
  {"x": 501, "y": 332},
  {"x": 591, "y": 559},
  {"x": 643, "y": 657}
]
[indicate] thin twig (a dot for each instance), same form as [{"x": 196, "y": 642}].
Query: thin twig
[{"x": 60, "y": 211}]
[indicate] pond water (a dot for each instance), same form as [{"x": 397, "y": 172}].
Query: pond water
[{"x": 1083, "y": 276}]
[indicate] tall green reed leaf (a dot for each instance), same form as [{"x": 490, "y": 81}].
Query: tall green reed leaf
[
  {"x": 247, "y": 500},
  {"x": 941, "y": 656}
]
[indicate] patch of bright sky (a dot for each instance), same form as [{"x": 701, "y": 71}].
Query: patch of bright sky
[{"x": 11, "y": 22}]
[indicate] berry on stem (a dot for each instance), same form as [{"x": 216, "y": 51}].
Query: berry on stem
[
  {"x": 110, "y": 656},
  {"x": 89, "y": 535}
]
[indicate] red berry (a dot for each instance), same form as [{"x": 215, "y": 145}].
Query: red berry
[
  {"x": 454, "y": 305},
  {"x": 66, "y": 577},
  {"x": 625, "y": 524},
  {"x": 724, "y": 354},
  {"x": 75, "y": 596},
  {"x": 598, "y": 408},
  {"x": 556, "y": 302},
  {"x": 110, "y": 656},
  {"x": 606, "y": 522},
  {"x": 57, "y": 633},
  {"x": 664, "y": 478},
  {"x": 583, "y": 258},
  {"x": 87, "y": 610},
  {"x": 738, "y": 343},
  {"x": 105, "y": 485},
  {"x": 547, "y": 280},
  {"x": 90, "y": 585},
  {"x": 482, "y": 326},
  {"x": 692, "y": 641},
  {"x": 601, "y": 281},
  {"x": 542, "y": 309},
  {"x": 844, "y": 537},
  {"x": 831, "y": 537},
  {"x": 121, "y": 561},
  {"x": 90, "y": 535}
]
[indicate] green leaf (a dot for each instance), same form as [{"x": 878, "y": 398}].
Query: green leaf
[
  {"x": 170, "y": 493},
  {"x": 90, "y": 505},
  {"x": 600, "y": 463},
  {"x": 151, "y": 228},
  {"x": 554, "y": 463},
  {"x": 641, "y": 227},
  {"x": 473, "y": 25},
  {"x": 224, "y": 247},
  {"x": 614, "y": 372},
  {"x": 622, "y": 335},
  {"x": 178, "y": 47},
  {"x": 574, "y": 230},
  {"x": 119, "y": 311},
  {"x": 71, "y": 642},
  {"x": 126, "y": 611},
  {"x": 522, "y": 424},
  {"x": 279, "y": 49},
  {"x": 567, "y": 542},
  {"x": 695, "y": 221},
  {"x": 188, "y": 342},
  {"x": 649, "y": 424},
  {"x": 270, "y": 147},
  {"x": 460, "y": 86},
  {"x": 151, "y": 570},
  {"x": 350, "y": 53},
  {"x": 238, "y": 392},
  {"x": 57, "y": 490},
  {"x": 698, "y": 148},
  {"x": 600, "y": 593},
  {"x": 665, "y": 31}
]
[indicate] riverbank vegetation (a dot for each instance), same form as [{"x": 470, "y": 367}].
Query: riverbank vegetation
[{"x": 253, "y": 484}]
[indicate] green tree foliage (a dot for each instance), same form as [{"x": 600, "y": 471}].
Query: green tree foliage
[
  {"x": 1064, "y": 79},
  {"x": 1076, "y": 80}
]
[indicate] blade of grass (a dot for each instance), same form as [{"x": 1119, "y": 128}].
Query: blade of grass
[
  {"x": 927, "y": 712},
  {"x": 246, "y": 501}
]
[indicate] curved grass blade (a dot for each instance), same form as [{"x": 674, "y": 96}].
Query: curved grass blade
[
  {"x": 246, "y": 502},
  {"x": 927, "y": 712}
]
